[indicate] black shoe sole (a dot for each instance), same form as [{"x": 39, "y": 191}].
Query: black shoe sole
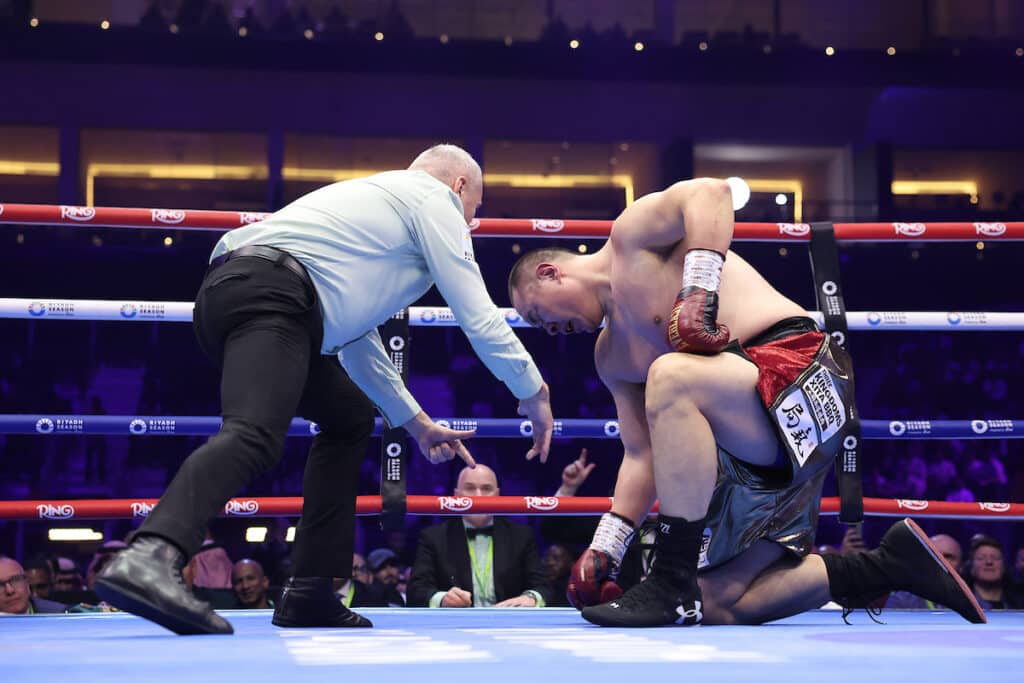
[
  {"x": 979, "y": 614},
  {"x": 359, "y": 622},
  {"x": 130, "y": 601}
]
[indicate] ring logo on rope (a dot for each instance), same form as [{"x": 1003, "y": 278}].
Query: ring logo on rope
[
  {"x": 242, "y": 508},
  {"x": 44, "y": 425},
  {"x": 897, "y": 428},
  {"x": 314, "y": 428},
  {"x": 396, "y": 343},
  {"x": 526, "y": 428},
  {"x": 129, "y": 311},
  {"x": 80, "y": 214},
  {"x": 990, "y": 229},
  {"x": 994, "y": 507},
  {"x": 428, "y": 315},
  {"x": 47, "y": 511},
  {"x": 611, "y": 429},
  {"x": 909, "y": 229},
  {"x": 541, "y": 225},
  {"x": 839, "y": 337},
  {"x": 954, "y": 318},
  {"x": 911, "y": 504},
  {"x": 167, "y": 216},
  {"x": 850, "y": 442},
  {"x": 512, "y": 316},
  {"x": 455, "y": 503},
  {"x": 874, "y": 318},
  {"x": 393, "y": 449},
  {"x": 542, "y": 503},
  {"x": 979, "y": 426},
  {"x": 829, "y": 288},
  {"x": 794, "y": 229},
  {"x": 37, "y": 309},
  {"x": 247, "y": 217},
  {"x": 141, "y": 509},
  {"x": 137, "y": 426}
]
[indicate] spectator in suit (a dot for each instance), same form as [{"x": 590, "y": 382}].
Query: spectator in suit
[
  {"x": 15, "y": 597},
  {"x": 477, "y": 560},
  {"x": 362, "y": 591}
]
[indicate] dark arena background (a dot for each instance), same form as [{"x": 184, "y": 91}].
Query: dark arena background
[{"x": 898, "y": 123}]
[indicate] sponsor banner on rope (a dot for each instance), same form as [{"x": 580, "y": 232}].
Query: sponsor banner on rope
[
  {"x": 896, "y": 318},
  {"x": 992, "y": 426},
  {"x": 542, "y": 503},
  {"x": 912, "y": 505},
  {"x": 994, "y": 507},
  {"x": 59, "y": 511},
  {"x": 990, "y": 229},
  {"x": 167, "y": 216},
  {"x": 955, "y": 318},
  {"x": 910, "y": 428},
  {"x": 132, "y": 310},
  {"x": 60, "y": 425},
  {"x": 909, "y": 229},
  {"x": 436, "y": 316},
  {"x": 455, "y": 503},
  {"x": 141, "y": 508},
  {"x": 241, "y": 508},
  {"x": 541, "y": 225},
  {"x": 794, "y": 229},
  {"x": 139, "y": 426},
  {"x": 52, "y": 309},
  {"x": 247, "y": 217},
  {"x": 78, "y": 214}
]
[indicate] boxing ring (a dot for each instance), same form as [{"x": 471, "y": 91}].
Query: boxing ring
[{"x": 524, "y": 644}]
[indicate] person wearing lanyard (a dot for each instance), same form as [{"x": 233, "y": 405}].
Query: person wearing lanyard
[{"x": 477, "y": 560}]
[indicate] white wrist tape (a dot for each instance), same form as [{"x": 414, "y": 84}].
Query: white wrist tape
[
  {"x": 702, "y": 268},
  {"x": 612, "y": 537}
]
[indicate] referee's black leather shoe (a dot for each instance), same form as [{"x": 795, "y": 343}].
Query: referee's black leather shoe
[
  {"x": 309, "y": 601},
  {"x": 146, "y": 580}
]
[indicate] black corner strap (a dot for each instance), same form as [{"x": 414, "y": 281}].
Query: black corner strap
[
  {"x": 828, "y": 292},
  {"x": 394, "y": 442}
]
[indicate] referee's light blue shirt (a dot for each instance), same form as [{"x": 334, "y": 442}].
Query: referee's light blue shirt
[{"x": 375, "y": 245}]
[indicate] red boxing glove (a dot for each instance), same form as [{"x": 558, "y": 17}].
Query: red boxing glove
[
  {"x": 693, "y": 325},
  {"x": 592, "y": 581}
]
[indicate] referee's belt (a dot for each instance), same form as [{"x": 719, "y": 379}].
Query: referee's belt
[{"x": 279, "y": 257}]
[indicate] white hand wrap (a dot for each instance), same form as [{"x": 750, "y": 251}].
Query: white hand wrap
[
  {"x": 612, "y": 537},
  {"x": 702, "y": 268}
]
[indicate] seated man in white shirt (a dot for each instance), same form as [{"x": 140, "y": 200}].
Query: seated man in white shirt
[
  {"x": 283, "y": 302},
  {"x": 477, "y": 560}
]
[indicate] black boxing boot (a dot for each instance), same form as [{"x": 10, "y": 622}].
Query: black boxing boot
[
  {"x": 309, "y": 601},
  {"x": 670, "y": 595},
  {"x": 905, "y": 560},
  {"x": 145, "y": 579}
]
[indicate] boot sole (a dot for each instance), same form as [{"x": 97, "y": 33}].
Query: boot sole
[
  {"x": 292, "y": 623},
  {"x": 922, "y": 537},
  {"x": 129, "y": 601}
]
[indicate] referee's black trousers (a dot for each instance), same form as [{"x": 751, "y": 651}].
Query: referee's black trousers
[{"x": 261, "y": 323}]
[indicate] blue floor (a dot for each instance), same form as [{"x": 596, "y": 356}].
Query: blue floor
[{"x": 521, "y": 646}]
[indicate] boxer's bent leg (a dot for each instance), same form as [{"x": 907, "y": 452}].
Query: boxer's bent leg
[
  {"x": 763, "y": 583},
  {"x": 692, "y": 403},
  {"x": 325, "y": 537},
  {"x": 265, "y": 362}
]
